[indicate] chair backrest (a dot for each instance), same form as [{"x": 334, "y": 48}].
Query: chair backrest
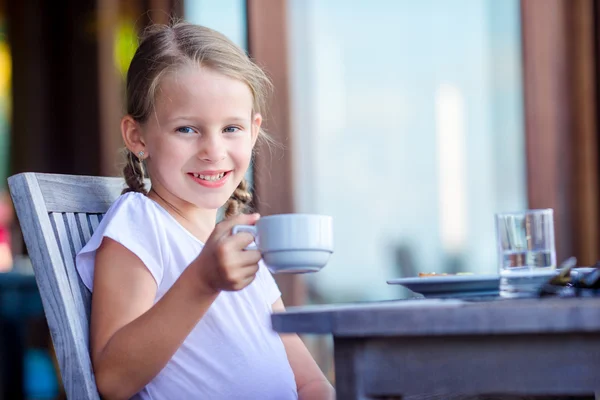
[{"x": 58, "y": 214}]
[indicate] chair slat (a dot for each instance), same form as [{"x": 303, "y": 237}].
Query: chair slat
[
  {"x": 85, "y": 226},
  {"x": 76, "y": 235},
  {"x": 78, "y": 241},
  {"x": 95, "y": 221},
  {"x": 67, "y": 249},
  {"x": 67, "y": 193},
  {"x": 74, "y": 193}
]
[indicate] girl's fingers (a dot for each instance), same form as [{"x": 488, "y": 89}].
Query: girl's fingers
[
  {"x": 244, "y": 277},
  {"x": 225, "y": 227},
  {"x": 240, "y": 240},
  {"x": 245, "y": 282},
  {"x": 249, "y": 258}
]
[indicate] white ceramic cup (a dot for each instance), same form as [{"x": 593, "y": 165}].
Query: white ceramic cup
[{"x": 292, "y": 243}]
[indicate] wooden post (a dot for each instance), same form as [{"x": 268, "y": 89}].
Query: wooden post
[
  {"x": 586, "y": 163},
  {"x": 561, "y": 116},
  {"x": 110, "y": 88},
  {"x": 268, "y": 41}
]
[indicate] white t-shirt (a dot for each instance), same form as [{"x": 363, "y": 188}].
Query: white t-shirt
[{"x": 233, "y": 352}]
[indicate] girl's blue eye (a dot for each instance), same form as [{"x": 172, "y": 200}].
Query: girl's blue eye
[
  {"x": 231, "y": 129},
  {"x": 185, "y": 129}
]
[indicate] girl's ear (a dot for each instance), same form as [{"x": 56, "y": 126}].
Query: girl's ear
[
  {"x": 132, "y": 135},
  {"x": 256, "y": 123}
]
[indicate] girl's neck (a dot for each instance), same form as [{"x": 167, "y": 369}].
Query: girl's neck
[{"x": 197, "y": 221}]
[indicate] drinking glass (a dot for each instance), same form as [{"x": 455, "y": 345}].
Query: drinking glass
[{"x": 526, "y": 251}]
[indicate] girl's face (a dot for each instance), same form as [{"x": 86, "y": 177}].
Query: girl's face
[{"x": 199, "y": 140}]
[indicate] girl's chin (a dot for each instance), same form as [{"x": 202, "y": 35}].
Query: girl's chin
[
  {"x": 207, "y": 203},
  {"x": 211, "y": 198}
]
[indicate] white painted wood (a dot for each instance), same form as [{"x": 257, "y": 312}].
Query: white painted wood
[
  {"x": 53, "y": 211},
  {"x": 76, "y": 235},
  {"x": 82, "y": 221},
  {"x": 70, "y": 244},
  {"x": 88, "y": 194},
  {"x": 94, "y": 221},
  {"x": 75, "y": 193}
]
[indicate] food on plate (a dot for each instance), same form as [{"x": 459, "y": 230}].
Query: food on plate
[{"x": 428, "y": 274}]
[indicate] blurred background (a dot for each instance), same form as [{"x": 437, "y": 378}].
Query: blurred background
[{"x": 410, "y": 122}]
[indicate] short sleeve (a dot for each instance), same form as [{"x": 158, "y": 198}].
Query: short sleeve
[
  {"x": 270, "y": 288},
  {"x": 133, "y": 223}
]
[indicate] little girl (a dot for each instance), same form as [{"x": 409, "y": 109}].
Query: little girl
[{"x": 180, "y": 310}]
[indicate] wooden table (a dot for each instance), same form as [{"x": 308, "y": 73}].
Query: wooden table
[{"x": 547, "y": 346}]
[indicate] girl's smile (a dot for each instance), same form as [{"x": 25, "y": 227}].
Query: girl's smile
[{"x": 210, "y": 179}]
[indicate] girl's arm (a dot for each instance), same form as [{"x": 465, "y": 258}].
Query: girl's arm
[
  {"x": 131, "y": 339},
  {"x": 310, "y": 381}
]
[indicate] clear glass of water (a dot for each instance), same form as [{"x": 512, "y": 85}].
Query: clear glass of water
[{"x": 526, "y": 251}]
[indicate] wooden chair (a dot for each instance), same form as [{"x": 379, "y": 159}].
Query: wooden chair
[{"x": 57, "y": 215}]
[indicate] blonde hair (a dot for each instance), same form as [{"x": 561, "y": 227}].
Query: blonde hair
[{"x": 164, "y": 49}]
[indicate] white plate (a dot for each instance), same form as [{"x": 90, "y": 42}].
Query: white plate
[
  {"x": 582, "y": 270},
  {"x": 451, "y": 285}
]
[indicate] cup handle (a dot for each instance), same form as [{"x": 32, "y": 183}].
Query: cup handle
[{"x": 251, "y": 229}]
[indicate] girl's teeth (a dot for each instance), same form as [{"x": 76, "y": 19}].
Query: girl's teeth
[{"x": 210, "y": 177}]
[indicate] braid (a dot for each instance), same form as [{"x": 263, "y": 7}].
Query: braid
[
  {"x": 239, "y": 201},
  {"x": 134, "y": 175}
]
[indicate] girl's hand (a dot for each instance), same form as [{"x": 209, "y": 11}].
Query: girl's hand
[{"x": 223, "y": 263}]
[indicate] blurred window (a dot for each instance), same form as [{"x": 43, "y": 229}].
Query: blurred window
[
  {"x": 408, "y": 130},
  {"x": 225, "y": 16}
]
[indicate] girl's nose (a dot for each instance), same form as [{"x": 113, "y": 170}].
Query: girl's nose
[{"x": 212, "y": 149}]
